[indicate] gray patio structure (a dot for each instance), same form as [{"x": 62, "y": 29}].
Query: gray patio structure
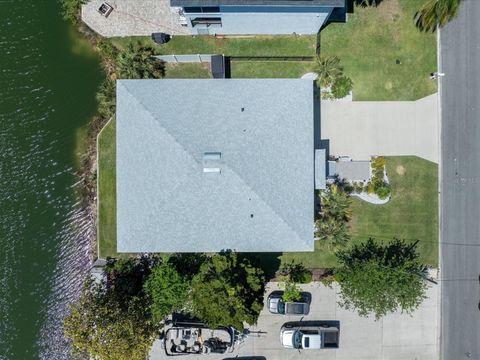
[
  {"x": 355, "y": 170},
  {"x": 206, "y": 165}
]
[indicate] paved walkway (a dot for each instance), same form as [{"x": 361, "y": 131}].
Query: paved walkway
[
  {"x": 133, "y": 18},
  {"x": 360, "y": 129},
  {"x": 395, "y": 337}
]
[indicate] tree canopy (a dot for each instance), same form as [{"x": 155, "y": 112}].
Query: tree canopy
[
  {"x": 111, "y": 320},
  {"x": 436, "y": 12},
  {"x": 136, "y": 62},
  {"x": 378, "y": 279},
  {"x": 168, "y": 291},
  {"x": 228, "y": 291}
]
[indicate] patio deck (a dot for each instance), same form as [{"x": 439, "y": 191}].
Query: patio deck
[{"x": 132, "y": 18}]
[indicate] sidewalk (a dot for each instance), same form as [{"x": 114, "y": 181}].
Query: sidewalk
[{"x": 395, "y": 337}]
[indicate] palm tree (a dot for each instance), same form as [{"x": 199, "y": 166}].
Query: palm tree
[
  {"x": 332, "y": 232},
  {"x": 335, "y": 204},
  {"x": 436, "y": 12},
  {"x": 137, "y": 62},
  {"x": 328, "y": 70}
]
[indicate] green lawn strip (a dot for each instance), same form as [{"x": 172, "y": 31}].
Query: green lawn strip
[
  {"x": 284, "y": 45},
  {"x": 411, "y": 214},
  {"x": 369, "y": 44},
  {"x": 187, "y": 71},
  {"x": 107, "y": 210},
  {"x": 269, "y": 69}
]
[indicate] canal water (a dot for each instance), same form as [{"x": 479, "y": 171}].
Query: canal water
[{"x": 48, "y": 78}]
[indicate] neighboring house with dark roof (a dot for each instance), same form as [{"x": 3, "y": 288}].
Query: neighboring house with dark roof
[
  {"x": 206, "y": 165},
  {"x": 230, "y": 17}
]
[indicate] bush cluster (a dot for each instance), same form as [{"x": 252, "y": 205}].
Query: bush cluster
[
  {"x": 377, "y": 185},
  {"x": 331, "y": 75},
  {"x": 332, "y": 223}
]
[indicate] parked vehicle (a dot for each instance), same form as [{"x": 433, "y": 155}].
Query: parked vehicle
[
  {"x": 198, "y": 340},
  {"x": 310, "y": 337},
  {"x": 276, "y": 305}
]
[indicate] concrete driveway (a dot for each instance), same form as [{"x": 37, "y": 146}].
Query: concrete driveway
[
  {"x": 397, "y": 336},
  {"x": 360, "y": 129}
]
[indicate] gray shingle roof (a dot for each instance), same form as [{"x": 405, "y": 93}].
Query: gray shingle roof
[
  {"x": 262, "y": 197},
  {"x": 335, "y": 3},
  {"x": 320, "y": 169}
]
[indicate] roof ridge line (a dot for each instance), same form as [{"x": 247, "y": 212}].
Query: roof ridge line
[{"x": 191, "y": 156}]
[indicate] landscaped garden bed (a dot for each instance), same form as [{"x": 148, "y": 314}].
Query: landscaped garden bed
[{"x": 411, "y": 214}]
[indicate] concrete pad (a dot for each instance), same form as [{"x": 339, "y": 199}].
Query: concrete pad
[
  {"x": 428, "y": 352},
  {"x": 133, "y": 18},
  {"x": 397, "y": 336},
  {"x": 418, "y": 329},
  {"x": 361, "y": 129}
]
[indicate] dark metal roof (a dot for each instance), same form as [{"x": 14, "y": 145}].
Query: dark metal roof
[
  {"x": 217, "y": 66},
  {"x": 335, "y": 3}
]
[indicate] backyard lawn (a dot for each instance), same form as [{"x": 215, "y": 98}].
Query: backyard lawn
[
  {"x": 107, "y": 210},
  {"x": 187, "y": 71},
  {"x": 411, "y": 214},
  {"x": 371, "y": 41},
  {"x": 285, "y": 45},
  {"x": 368, "y": 44}
]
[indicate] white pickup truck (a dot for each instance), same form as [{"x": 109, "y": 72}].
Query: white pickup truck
[{"x": 310, "y": 337}]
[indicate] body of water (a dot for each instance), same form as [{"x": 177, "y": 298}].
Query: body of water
[{"x": 48, "y": 78}]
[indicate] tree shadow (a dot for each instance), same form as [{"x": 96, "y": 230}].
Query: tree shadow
[{"x": 268, "y": 262}]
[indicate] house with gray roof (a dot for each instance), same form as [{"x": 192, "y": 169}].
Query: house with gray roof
[
  {"x": 235, "y": 17},
  {"x": 205, "y": 165}
]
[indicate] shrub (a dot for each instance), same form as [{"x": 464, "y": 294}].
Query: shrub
[
  {"x": 328, "y": 70},
  {"x": 106, "y": 96},
  {"x": 377, "y": 185},
  {"x": 383, "y": 191},
  {"x": 71, "y": 10},
  {"x": 370, "y": 187},
  {"x": 296, "y": 272},
  {"x": 291, "y": 292},
  {"x": 341, "y": 87}
]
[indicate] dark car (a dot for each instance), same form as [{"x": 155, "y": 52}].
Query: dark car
[{"x": 276, "y": 305}]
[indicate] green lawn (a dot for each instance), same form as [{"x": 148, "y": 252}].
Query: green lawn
[
  {"x": 411, "y": 214},
  {"x": 107, "y": 209},
  {"x": 285, "y": 45},
  {"x": 187, "y": 71},
  {"x": 269, "y": 69},
  {"x": 369, "y": 43}
]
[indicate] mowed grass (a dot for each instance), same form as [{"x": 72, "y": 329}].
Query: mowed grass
[
  {"x": 107, "y": 206},
  {"x": 187, "y": 71},
  {"x": 411, "y": 214},
  {"x": 283, "y": 45},
  {"x": 368, "y": 44},
  {"x": 371, "y": 41},
  {"x": 269, "y": 69}
]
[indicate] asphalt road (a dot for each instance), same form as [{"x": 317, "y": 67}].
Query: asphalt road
[{"x": 460, "y": 187}]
